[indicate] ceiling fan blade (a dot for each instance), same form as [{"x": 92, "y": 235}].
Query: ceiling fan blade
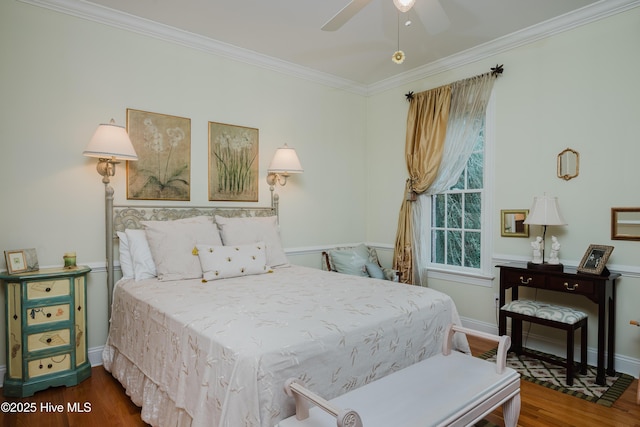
[
  {"x": 432, "y": 15},
  {"x": 347, "y": 12}
]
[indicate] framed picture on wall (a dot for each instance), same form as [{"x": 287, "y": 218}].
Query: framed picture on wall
[
  {"x": 163, "y": 146},
  {"x": 233, "y": 163},
  {"x": 595, "y": 259}
]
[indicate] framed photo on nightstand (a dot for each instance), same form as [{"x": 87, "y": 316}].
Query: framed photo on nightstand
[
  {"x": 21, "y": 260},
  {"x": 16, "y": 261}
]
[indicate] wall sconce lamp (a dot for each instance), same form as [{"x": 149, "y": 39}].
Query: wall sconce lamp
[
  {"x": 109, "y": 144},
  {"x": 545, "y": 211},
  {"x": 285, "y": 162}
]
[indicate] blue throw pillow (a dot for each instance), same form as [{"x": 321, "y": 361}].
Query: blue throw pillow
[{"x": 374, "y": 271}]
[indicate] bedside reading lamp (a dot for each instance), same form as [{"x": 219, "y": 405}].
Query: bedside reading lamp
[
  {"x": 544, "y": 212},
  {"x": 285, "y": 162},
  {"x": 109, "y": 144}
]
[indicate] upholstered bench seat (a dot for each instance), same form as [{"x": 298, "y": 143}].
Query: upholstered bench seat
[
  {"x": 555, "y": 316},
  {"x": 542, "y": 310}
]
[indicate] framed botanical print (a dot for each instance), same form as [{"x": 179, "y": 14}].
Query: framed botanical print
[
  {"x": 163, "y": 146},
  {"x": 233, "y": 163}
]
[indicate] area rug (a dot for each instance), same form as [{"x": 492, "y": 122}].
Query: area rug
[{"x": 553, "y": 377}]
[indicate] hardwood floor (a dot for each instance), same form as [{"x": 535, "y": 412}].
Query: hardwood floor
[{"x": 109, "y": 405}]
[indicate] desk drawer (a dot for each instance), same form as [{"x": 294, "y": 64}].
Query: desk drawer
[
  {"x": 572, "y": 285},
  {"x": 524, "y": 278}
]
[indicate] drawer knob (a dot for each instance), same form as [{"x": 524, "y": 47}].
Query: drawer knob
[
  {"x": 525, "y": 282},
  {"x": 47, "y": 290},
  {"x": 50, "y": 366},
  {"x": 48, "y": 314},
  {"x": 571, "y": 288},
  {"x": 48, "y": 340}
]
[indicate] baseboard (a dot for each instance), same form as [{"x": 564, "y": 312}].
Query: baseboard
[
  {"x": 94, "y": 354},
  {"x": 624, "y": 364}
]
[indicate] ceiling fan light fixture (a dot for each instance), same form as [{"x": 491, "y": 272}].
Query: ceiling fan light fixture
[
  {"x": 404, "y": 5},
  {"x": 398, "y": 57}
]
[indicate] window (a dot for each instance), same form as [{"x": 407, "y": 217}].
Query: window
[
  {"x": 456, "y": 217},
  {"x": 459, "y": 221}
]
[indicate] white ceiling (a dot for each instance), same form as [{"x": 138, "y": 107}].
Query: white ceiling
[{"x": 289, "y": 31}]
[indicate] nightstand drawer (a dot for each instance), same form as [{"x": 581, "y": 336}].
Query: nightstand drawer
[
  {"x": 570, "y": 284},
  {"x": 49, "y": 365},
  {"x": 525, "y": 278},
  {"x": 47, "y": 314},
  {"x": 48, "y": 289},
  {"x": 49, "y": 339}
]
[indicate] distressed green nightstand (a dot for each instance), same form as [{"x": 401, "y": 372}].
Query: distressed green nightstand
[{"x": 46, "y": 329}]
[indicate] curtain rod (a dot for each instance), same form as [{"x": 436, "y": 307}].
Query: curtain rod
[{"x": 495, "y": 71}]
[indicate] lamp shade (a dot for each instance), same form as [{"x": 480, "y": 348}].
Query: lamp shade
[
  {"x": 111, "y": 141},
  {"x": 404, "y": 5},
  {"x": 285, "y": 160},
  {"x": 545, "y": 211}
]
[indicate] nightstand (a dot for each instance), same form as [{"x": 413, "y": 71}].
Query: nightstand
[{"x": 46, "y": 329}]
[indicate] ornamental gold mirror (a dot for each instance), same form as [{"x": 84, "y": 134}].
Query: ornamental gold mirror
[
  {"x": 625, "y": 223},
  {"x": 512, "y": 223},
  {"x": 568, "y": 164}
]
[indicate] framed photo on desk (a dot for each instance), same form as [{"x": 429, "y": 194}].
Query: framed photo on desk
[{"x": 595, "y": 259}]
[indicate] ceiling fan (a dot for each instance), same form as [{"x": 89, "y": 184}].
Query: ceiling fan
[{"x": 430, "y": 12}]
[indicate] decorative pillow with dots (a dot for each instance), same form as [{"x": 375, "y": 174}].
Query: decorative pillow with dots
[{"x": 221, "y": 262}]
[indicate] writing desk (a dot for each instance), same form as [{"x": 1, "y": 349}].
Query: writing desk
[{"x": 599, "y": 289}]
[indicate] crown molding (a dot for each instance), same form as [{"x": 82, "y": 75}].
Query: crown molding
[{"x": 96, "y": 13}]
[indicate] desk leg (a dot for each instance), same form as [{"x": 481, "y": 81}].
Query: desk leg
[
  {"x": 602, "y": 320},
  {"x": 611, "y": 333}
]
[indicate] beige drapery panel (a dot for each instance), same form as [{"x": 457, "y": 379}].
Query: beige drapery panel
[{"x": 424, "y": 145}]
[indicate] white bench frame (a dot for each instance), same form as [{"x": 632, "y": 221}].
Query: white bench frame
[{"x": 505, "y": 391}]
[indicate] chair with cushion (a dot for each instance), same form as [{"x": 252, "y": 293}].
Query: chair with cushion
[
  {"x": 360, "y": 260},
  {"x": 555, "y": 316}
]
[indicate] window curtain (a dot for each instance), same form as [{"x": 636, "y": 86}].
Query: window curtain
[
  {"x": 469, "y": 99},
  {"x": 424, "y": 148},
  {"x": 442, "y": 157}
]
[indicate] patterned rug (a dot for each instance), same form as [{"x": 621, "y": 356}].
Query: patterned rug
[{"x": 553, "y": 377}]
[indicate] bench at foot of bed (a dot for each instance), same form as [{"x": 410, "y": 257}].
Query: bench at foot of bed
[{"x": 449, "y": 389}]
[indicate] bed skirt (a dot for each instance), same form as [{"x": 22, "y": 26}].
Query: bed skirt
[{"x": 158, "y": 409}]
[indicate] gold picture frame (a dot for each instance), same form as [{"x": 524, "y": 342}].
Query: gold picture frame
[
  {"x": 512, "y": 223},
  {"x": 163, "y": 145},
  {"x": 595, "y": 259},
  {"x": 21, "y": 260},
  {"x": 233, "y": 163}
]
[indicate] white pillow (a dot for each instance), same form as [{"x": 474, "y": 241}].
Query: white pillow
[
  {"x": 141, "y": 259},
  {"x": 172, "y": 245},
  {"x": 126, "y": 265},
  {"x": 221, "y": 262},
  {"x": 238, "y": 231}
]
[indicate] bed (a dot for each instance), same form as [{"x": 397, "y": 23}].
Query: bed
[{"x": 215, "y": 350}]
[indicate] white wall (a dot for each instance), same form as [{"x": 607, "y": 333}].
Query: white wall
[
  {"x": 577, "y": 89},
  {"x": 61, "y": 76}
]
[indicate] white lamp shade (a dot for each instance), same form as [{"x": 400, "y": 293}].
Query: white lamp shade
[
  {"x": 285, "y": 160},
  {"x": 111, "y": 141},
  {"x": 545, "y": 211},
  {"x": 404, "y": 5}
]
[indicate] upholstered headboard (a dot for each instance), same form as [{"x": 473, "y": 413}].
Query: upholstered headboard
[{"x": 129, "y": 217}]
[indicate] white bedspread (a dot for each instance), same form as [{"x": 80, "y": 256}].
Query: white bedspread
[{"x": 218, "y": 353}]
